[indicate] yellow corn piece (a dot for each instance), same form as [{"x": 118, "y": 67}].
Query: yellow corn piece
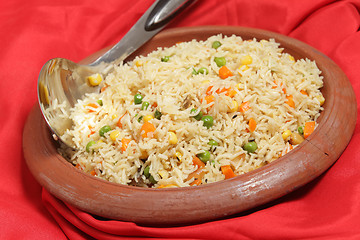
[
  {"x": 205, "y": 82},
  {"x": 321, "y": 99},
  {"x": 95, "y": 79},
  {"x": 286, "y": 134},
  {"x": 246, "y": 60},
  {"x": 178, "y": 155},
  {"x": 98, "y": 144},
  {"x": 238, "y": 86},
  {"x": 163, "y": 174},
  {"x": 291, "y": 58},
  {"x": 242, "y": 69},
  {"x": 114, "y": 135},
  {"x": 172, "y": 138},
  {"x": 138, "y": 63},
  {"x": 234, "y": 106},
  {"x": 114, "y": 116},
  {"x": 148, "y": 118}
]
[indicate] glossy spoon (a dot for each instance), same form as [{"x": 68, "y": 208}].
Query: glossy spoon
[{"x": 62, "y": 82}]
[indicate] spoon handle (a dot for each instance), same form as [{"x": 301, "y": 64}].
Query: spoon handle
[{"x": 154, "y": 19}]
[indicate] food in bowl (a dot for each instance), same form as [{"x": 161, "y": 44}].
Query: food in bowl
[{"x": 195, "y": 113}]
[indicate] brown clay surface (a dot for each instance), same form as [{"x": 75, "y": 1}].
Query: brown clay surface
[{"x": 212, "y": 201}]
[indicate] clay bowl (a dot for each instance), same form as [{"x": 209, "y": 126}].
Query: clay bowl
[{"x": 215, "y": 200}]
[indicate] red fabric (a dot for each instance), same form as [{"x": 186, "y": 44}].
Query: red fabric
[{"x": 34, "y": 31}]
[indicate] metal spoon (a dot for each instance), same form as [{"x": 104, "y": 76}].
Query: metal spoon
[{"x": 63, "y": 82}]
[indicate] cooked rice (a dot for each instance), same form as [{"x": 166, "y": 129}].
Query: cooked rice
[{"x": 176, "y": 90}]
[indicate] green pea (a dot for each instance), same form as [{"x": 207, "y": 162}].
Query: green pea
[
  {"x": 216, "y": 44},
  {"x": 147, "y": 171},
  {"x": 157, "y": 114},
  {"x": 165, "y": 58},
  {"x": 301, "y": 130},
  {"x": 212, "y": 142},
  {"x": 250, "y": 147},
  {"x": 100, "y": 102},
  {"x": 89, "y": 145},
  {"x": 208, "y": 121},
  {"x": 203, "y": 70},
  {"x": 104, "y": 130},
  {"x": 144, "y": 105},
  {"x": 138, "y": 98},
  {"x": 220, "y": 61},
  {"x": 204, "y": 156},
  {"x": 198, "y": 116}
]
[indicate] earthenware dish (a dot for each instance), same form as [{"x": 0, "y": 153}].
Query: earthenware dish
[{"x": 210, "y": 201}]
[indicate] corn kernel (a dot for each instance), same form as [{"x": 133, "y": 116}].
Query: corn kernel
[
  {"x": 97, "y": 145},
  {"x": 205, "y": 82},
  {"x": 172, "y": 138},
  {"x": 114, "y": 134},
  {"x": 95, "y": 79},
  {"x": 291, "y": 58},
  {"x": 238, "y": 86},
  {"x": 321, "y": 99},
  {"x": 148, "y": 118},
  {"x": 246, "y": 60},
  {"x": 234, "y": 106},
  {"x": 242, "y": 69},
  {"x": 114, "y": 116},
  {"x": 286, "y": 134},
  {"x": 178, "y": 155},
  {"x": 163, "y": 173},
  {"x": 138, "y": 63}
]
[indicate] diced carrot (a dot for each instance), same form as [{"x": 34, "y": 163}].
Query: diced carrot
[
  {"x": 154, "y": 105},
  {"x": 93, "y": 105},
  {"x": 218, "y": 91},
  {"x": 125, "y": 143},
  {"x": 309, "y": 128},
  {"x": 252, "y": 124},
  {"x": 304, "y": 92},
  {"x": 198, "y": 173},
  {"x": 286, "y": 150},
  {"x": 227, "y": 171},
  {"x": 209, "y": 99},
  {"x": 147, "y": 128},
  {"x": 279, "y": 85},
  {"x": 198, "y": 162},
  {"x": 224, "y": 72},
  {"x": 290, "y": 101},
  {"x": 221, "y": 90},
  {"x": 245, "y": 106},
  {"x": 228, "y": 91},
  {"x": 119, "y": 124},
  {"x": 103, "y": 88},
  {"x": 208, "y": 90},
  {"x": 197, "y": 180},
  {"x": 93, "y": 173},
  {"x": 231, "y": 92},
  {"x": 91, "y": 131}
]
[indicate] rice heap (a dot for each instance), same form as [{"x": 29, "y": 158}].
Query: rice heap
[{"x": 195, "y": 113}]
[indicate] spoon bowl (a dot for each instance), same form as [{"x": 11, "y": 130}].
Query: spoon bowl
[{"x": 62, "y": 82}]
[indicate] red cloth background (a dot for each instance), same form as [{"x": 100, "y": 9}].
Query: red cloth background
[{"x": 33, "y": 31}]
